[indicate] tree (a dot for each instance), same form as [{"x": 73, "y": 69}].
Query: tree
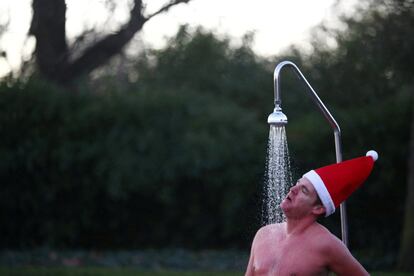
[
  {"x": 53, "y": 54},
  {"x": 407, "y": 243}
]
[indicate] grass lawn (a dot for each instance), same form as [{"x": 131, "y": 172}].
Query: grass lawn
[
  {"x": 391, "y": 274},
  {"x": 90, "y": 271}
]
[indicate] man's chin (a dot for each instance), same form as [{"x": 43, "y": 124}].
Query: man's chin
[{"x": 284, "y": 205}]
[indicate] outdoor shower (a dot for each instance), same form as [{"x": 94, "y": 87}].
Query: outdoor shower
[{"x": 278, "y": 118}]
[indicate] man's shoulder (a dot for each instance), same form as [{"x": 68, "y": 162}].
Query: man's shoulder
[
  {"x": 321, "y": 230},
  {"x": 337, "y": 256},
  {"x": 325, "y": 240},
  {"x": 273, "y": 229}
]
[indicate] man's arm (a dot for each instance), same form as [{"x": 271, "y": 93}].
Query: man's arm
[
  {"x": 250, "y": 266},
  {"x": 250, "y": 270},
  {"x": 341, "y": 261}
]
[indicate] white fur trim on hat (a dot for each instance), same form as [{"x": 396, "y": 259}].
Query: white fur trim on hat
[
  {"x": 373, "y": 154},
  {"x": 322, "y": 192}
]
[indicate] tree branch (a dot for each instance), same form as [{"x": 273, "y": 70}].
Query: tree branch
[
  {"x": 166, "y": 8},
  {"x": 52, "y": 52},
  {"x": 100, "y": 52}
]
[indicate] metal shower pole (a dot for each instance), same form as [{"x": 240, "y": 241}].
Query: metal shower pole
[{"x": 328, "y": 117}]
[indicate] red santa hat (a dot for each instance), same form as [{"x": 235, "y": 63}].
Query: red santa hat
[{"x": 336, "y": 182}]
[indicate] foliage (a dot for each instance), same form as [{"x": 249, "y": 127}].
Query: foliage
[
  {"x": 125, "y": 170},
  {"x": 201, "y": 61},
  {"x": 176, "y": 157}
]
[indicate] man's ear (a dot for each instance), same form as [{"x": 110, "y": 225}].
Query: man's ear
[{"x": 318, "y": 210}]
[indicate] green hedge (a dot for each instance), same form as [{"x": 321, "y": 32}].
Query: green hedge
[{"x": 132, "y": 169}]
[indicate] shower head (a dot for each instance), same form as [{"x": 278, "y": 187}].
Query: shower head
[{"x": 277, "y": 118}]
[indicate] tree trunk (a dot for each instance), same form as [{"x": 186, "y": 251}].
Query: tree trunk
[
  {"x": 48, "y": 26},
  {"x": 406, "y": 259}
]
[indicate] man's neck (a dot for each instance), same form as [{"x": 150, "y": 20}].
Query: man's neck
[{"x": 295, "y": 226}]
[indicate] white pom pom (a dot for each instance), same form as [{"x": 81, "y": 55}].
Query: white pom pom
[{"x": 373, "y": 154}]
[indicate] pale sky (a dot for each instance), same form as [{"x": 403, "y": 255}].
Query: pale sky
[{"x": 276, "y": 23}]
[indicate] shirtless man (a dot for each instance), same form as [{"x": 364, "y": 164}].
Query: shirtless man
[{"x": 300, "y": 246}]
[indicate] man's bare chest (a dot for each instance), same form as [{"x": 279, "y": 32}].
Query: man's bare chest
[{"x": 288, "y": 257}]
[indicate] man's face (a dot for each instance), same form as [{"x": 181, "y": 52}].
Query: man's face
[{"x": 301, "y": 199}]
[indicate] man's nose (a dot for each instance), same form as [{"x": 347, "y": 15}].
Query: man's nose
[{"x": 294, "y": 189}]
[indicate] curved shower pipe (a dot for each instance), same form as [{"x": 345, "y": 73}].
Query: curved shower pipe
[{"x": 278, "y": 118}]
